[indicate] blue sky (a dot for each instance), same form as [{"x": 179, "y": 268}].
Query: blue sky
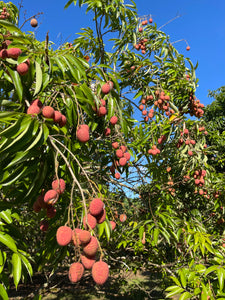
[{"x": 201, "y": 23}]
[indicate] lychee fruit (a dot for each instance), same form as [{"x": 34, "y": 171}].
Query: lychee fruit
[
  {"x": 123, "y": 148},
  {"x": 48, "y": 112},
  {"x": 3, "y": 54},
  {"x": 51, "y": 211},
  {"x": 150, "y": 20},
  {"x": 14, "y": 52},
  {"x": 57, "y": 116},
  {"x": 100, "y": 272},
  {"x": 123, "y": 218},
  {"x": 91, "y": 248},
  {"x": 41, "y": 203},
  {"x": 34, "y": 22},
  {"x": 92, "y": 222},
  {"x": 127, "y": 155},
  {"x": 83, "y": 133},
  {"x": 113, "y": 120},
  {"x": 101, "y": 217},
  {"x": 76, "y": 236},
  {"x": 44, "y": 225},
  {"x": 107, "y": 131},
  {"x": 37, "y": 102},
  {"x": 103, "y": 102},
  {"x": 64, "y": 235},
  {"x": 51, "y": 197},
  {"x": 117, "y": 175},
  {"x": 84, "y": 236},
  {"x": 33, "y": 110},
  {"x": 76, "y": 271},
  {"x": 59, "y": 186},
  {"x": 96, "y": 206},
  {"x": 102, "y": 111},
  {"x": 105, "y": 88},
  {"x": 122, "y": 161},
  {"x": 113, "y": 224},
  {"x": 87, "y": 261},
  {"x": 111, "y": 84},
  {"x": 119, "y": 153},
  {"x": 115, "y": 145},
  {"x": 188, "y": 48},
  {"x": 63, "y": 121},
  {"x": 22, "y": 69}
]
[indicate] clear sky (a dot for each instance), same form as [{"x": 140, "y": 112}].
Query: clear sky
[{"x": 201, "y": 23}]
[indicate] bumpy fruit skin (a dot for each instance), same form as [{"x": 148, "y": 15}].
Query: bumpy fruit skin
[
  {"x": 63, "y": 121},
  {"x": 102, "y": 111},
  {"x": 57, "y": 117},
  {"x": 3, "y": 54},
  {"x": 123, "y": 218},
  {"x": 87, "y": 261},
  {"x": 91, "y": 248},
  {"x": 115, "y": 145},
  {"x": 96, "y": 206},
  {"x": 119, "y": 153},
  {"x": 22, "y": 69},
  {"x": 113, "y": 224},
  {"x": 111, "y": 84},
  {"x": 127, "y": 155},
  {"x": 101, "y": 217},
  {"x": 14, "y": 52},
  {"x": 37, "y": 102},
  {"x": 83, "y": 134},
  {"x": 84, "y": 236},
  {"x": 59, "y": 186},
  {"x": 100, "y": 272},
  {"x": 91, "y": 221},
  {"x": 51, "y": 196},
  {"x": 44, "y": 225},
  {"x": 76, "y": 271},
  {"x": 122, "y": 161},
  {"x": 76, "y": 236},
  {"x": 106, "y": 88},
  {"x": 123, "y": 148},
  {"x": 64, "y": 235},
  {"x": 107, "y": 131},
  {"x": 33, "y": 110},
  {"x": 117, "y": 175},
  {"x": 48, "y": 112},
  {"x": 33, "y": 22},
  {"x": 113, "y": 120}
]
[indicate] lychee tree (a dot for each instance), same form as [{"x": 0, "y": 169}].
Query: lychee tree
[{"x": 76, "y": 159}]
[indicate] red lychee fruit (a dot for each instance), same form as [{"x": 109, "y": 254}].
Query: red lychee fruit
[
  {"x": 113, "y": 224},
  {"x": 127, "y": 155},
  {"x": 64, "y": 235},
  {"x": 37, "y": 102},
  {"x": 51, "y": 197},
  {"x": 96, "y": 206},
  {"x": 63, "y": 121},
  {"x": 105, "y": 88},
  {"x": 190, "y": 153},
  {"x": 103, "y": 102},
  {"x": 83, "y": 134},
  {"x": 36, "y": 207},
  {"x": 100, "y": 272},
  {"x": 76, "y": 271},
  {"x": 41, "y": 203},
  {"x": 14, "y": 52},
  {"x": 102, "y": 111},
  {"x": 91, "y": 248},
  {"x": 119, "y": 153},
  {"x": 59, "y": 186},
  {"x": 188, "y": 48},
  {"x": 3, "y": 54},
  {"x": 111, "y": 84},
  {"x": 107, "y": 131},
  {"x": 186, "y": 131},
  {"x": 140, "y": 29},
  {"x": 76, "y": 236},
  {"x": 48, "y": 112},
  {"x": 123, "y": 148},
  {"x": 113, "y": 120},
  {"x": 33, "y": 22},
  {"x": 117, "y": 175},
  {"x": 33, "y": 110},
  {"x": 122, "y": 161},
  {"x": 22, "y": 69},
  {"x": 51, "y": 211},
  {"x": 115, "y": 145},
  {"x": 84, "y": 236},
  {"x": 87, "y": 261},
  {"x": 44, "y": 225},
  {"x": 101, "y": 217},
  {"x": 150, "y": 20},
  {"x": 57, "y": 117},
  {"x": 123, "y": 218},
  {"x": 91, "y": 221}
]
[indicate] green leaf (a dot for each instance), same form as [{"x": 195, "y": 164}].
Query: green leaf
[
  {"x": 185, "y": 295},
  {"x": 182, "y": 278},
  {"x": 174, "y": 290},
  {"x": 26, "y": 264},
  {"x": 107, "y": 229},
  {"x": 3, "y": 293},
  {"x": 8, "y": 241},
  {"x": 6, "y": 216},
  {"x": 17, "y": 268},
  {"x": 211, "y": 269},
  {"x": 156, "y": 235},
  {"x": 220, "y": 273},
  {"x": 17, "y": 82},
  {"x": 10, "y": 27},
  {"x": 38, "y": 78}
]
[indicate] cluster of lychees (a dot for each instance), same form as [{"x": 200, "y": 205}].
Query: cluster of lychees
[
  {"x": 36, "y": 107},
  {"x": 4, "y": 14},
  {"x": 14, "y": 53},
  {"x": 48, "y": 200},
  {"x": 195, "y": 107},
  {"x": 122, "y": 158},
  {"x": 141, "y": 45},
  {"x": 89, "y": 244}
]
